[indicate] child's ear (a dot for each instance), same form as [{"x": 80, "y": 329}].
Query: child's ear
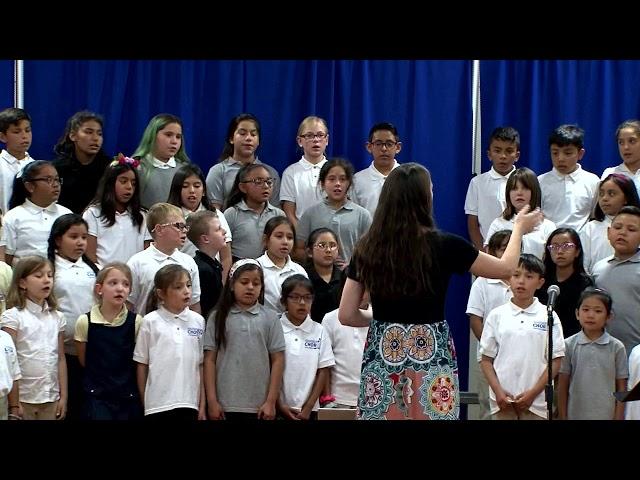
[
  {"x": 541, "y": 283},
  {"x": 22, "y": 284},
  {"x": 3, "y": 137},
  {"x": 29, "y": 187}
]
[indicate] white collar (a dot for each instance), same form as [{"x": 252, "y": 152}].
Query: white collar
[
  {"x": 35, "y": 308},
  {"x": 373, "y": 171},
  {"x": 62, "y": 262},
  {"x": 573, "y": 175},
  {"x": 171, "y": 163},
  {"x": 158, "y": 255},
  {"x": 167, "y": 315},
  {"x": 530, "y": 310},
  {"x": 5, "y": 155},
  {"x": 267, "y": 263},
  {"x": 493, "y": 173},
  {"x": 306, "y": 326},
  {"x": 307, "y": 165},
  {"x": 33, "y": 208}
]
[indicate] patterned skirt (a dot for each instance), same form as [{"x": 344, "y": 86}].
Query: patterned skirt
[{"x": 409, "y": 372}]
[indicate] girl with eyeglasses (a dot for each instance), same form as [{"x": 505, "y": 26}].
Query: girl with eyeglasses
[
  {"x": 614, "y": 192},
  {"x": 33, "y": 209},
  {"x": 563, "y": 266},
  {"x": 240, "y": 145},
  {"x": 300, "y": 189},
  {"x": 325, "y": 275},
  {"x": 307, "y": 355},
  {"x": 248, "y": 210}
]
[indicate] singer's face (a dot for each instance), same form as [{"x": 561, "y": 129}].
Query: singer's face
[
  {"x": 624, "y": 235},
  {"x": 525, "y": 283},
  {"x": 592, "y": 314},
  {"x": 563, "y": 250},
  {"x": 566, "y": 158},
  {"x": 503, "y": 154}
]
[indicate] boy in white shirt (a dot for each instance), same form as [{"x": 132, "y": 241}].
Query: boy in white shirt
[
  {"x": 383, "y": 145},
  {"x": 15, "y": 133},
  {"x": 514, "y": 348},
  {"x": 169, "y": 231},
  {"x": 485, "y": 199},
  {"x": 569, "y": 192}
]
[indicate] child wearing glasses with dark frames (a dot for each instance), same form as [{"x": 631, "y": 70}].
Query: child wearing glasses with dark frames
[
  {"x": 169, "y": 231},
  {"x": 248, "y": 210},
  {"x": 325, "y": 275},
  {"x": 563, "y": 264},
  {"x": 33, "y": 209},
  {"x": 307, "y": 355}
]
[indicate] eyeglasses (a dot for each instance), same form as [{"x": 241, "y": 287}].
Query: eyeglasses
[
  {"x": 561, "y": 246},
  {"x": 49, "y": 180},
  {"x": 325, "y": 245},
  {"x": 301, "y": 298},
  {"x": 389, "y": 144},
  {"x": 178, "y": 225},
  {"x": 311, "y": 136},
  {"x": 258, "y": 182}
]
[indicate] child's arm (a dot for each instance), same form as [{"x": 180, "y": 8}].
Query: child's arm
[
  {"x": 92, "y": 248},
  {"x": 214, "y": 409},
  {"x": 61, "y": 407},
  {"x": 524, "y": 399},
  {"x": 226, "y": 261},
  {"x": 2, "y": 255},
  {"x": 268, "y": 409},
  {"x": 14, "y": 407},
  {"x": 202, "y": 405},
  {"x": 289, "y": 208},
  {"x": 563, "y": 395},
  {"x": 475, "y": 322},
  {"x": 8, "y": 259},
  {"x": 621, "y": 386},
  {"x": 349, "y": 311},
  {"x": 503, "y": 399},
  {"x": 142, "y": 372},
  {"x": 81, "y": 348},
  {"x": 474, "y": 232},
  {"x": 318, "y": 385},
  {"x": 298, "y": 252}
]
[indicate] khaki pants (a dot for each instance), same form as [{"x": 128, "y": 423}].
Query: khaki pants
[
  {"x": 4, "y": 408},
  {"x": 39, "y": 411},
  {"x": 510, "y": 414}
]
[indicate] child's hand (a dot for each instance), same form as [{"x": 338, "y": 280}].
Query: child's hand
[
  {"x": 202, "y": 413},
  {"x": 523, "y": 401},
  {"x": 528, "y": 220},
  {"x": 215, "y": 412},
  {"x": 504, "y": 400},
  {"x": 267, "y": 411},
  {"x": 61, "y": 409},
  {"x": 303, "y": 414},
  {"x": 289, "y": 413}
]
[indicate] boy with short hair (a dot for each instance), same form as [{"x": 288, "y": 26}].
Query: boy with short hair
[
  {"x": 514, "y": 345},
  {"x": 485, "y": 199},
  {"x": 206, "y": 233},
  {"x": 619, "y": 273},
  {"x": 569, "y": 192},
  {"x": 383, "y": 145},
  {"x": 15, "y": 133},
  {"x": 166, "y": 225}
]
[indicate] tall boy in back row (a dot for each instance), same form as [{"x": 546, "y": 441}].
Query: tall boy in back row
[{"x": 485, "y": 196}]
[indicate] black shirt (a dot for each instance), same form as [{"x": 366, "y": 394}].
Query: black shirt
[
  {"x": 327, "y": 295},
  {"x": 567, "y": 301},
  {"x": 79, "y": 182},
  {"x": 450, "y": 254},
  {"x": 210, "y": 273}
]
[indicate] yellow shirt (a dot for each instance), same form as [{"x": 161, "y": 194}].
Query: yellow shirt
[{"x": 82, "y": 326}]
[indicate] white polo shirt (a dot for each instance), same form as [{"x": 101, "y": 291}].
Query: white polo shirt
[
  {"x": 347, "y": 344},
  {"x": 27, "y": 228},
  {"x": 632, "y": 411},
  {"x": 189, "y": 248},
  {"x": 300, "y": 184},
  {"x": 9, "y": 368},
  {"x": 567, "y": 200},
  {"x": 37, "y": 331},
  {"x": 517, "y": 340},
  {"x": 486, "y": 198},
  {"x": 308, "y": 349},
  {"x": 367, "y": 185},
  {"x": 171, "y": 345},
  {"x": 533, "y": 242},
  {"x": 73, "y": 287},
  {"x": 623, "y": 169},
  {"x": 119, "y": 242},
  {"x": 595, "y": 242},
  {"x": 144, "y": 266},
  {"x": 9, "y": 167},
  {"x": 273, "y": 278},
  {"x": 485, "y": 295}
]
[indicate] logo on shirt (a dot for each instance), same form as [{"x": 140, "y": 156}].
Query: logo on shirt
[
  {"x": 195, "y": 332},
  {"x": 8, "y": 349},
  {"x": 313, "y": 344},
  {"x": 540, "y": 326}
]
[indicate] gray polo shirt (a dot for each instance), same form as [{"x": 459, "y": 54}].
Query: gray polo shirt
[
  {"x": 243, "y": 370},
  {"x": 594, "y": 367},
  {"x": 621, "y": 279},
  {"x": 222, "y": 175},
  {"x": 349, "y": 223},
  {"x": 247, "y": 228}
]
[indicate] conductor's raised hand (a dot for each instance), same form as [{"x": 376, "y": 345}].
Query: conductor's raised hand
[{"x": 528, "y": 220}]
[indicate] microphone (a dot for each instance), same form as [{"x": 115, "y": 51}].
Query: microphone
[{"x": 552, "y": 294}]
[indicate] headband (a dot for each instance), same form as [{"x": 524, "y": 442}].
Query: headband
[{"x": 239, "y": 263}]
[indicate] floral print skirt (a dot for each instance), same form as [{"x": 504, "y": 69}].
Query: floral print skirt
[{"x": 409, "y": 372}]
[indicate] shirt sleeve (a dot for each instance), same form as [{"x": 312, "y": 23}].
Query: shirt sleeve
[
  {"x": 209, "y": 340},
  {"x": 326, "y": 358},
  {"x": 275, "y": 193},
  {"x": 488, "y": 340},
  {"x": 565, "y": 365},
  {"x": 92, "y": 221},
  {"x": 558, "y": 337},
  {"x": 141, "y": 350},
  {"x": 493, "y": 228},
  {"x": 135, "y": 283},
  {"x": 477, "y": 302},
  {"x": 9, "y": 235},
  {"x": 81, "y": 329},
  {"x": 459, "y": 253},
  {"x": 10, "y": 319},
  {"x": 214, "y": 183},
  {"x": 622, "y": 367},
  {"x": 275, "y": 342},
  {"x": 471, "y": 200},
  {"x": 288, "y": 187}
]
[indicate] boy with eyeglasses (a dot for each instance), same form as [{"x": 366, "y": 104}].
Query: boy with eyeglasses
[
  {"x": 383, "y": 145},
  {"x": 485, "y": 200},
  {"x": 168, "y": 230},
  {"x": 15, "y": 133}
]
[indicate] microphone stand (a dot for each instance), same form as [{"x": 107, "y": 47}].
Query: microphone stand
[{"x": 549, "y": 387}]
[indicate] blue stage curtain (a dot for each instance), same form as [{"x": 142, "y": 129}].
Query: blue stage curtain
[{"x": 537, "y": 96}]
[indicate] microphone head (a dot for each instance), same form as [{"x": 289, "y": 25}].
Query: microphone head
[{"x": 553, "y": 289}]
